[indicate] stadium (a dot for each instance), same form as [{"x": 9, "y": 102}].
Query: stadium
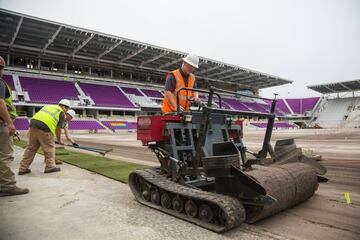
[{"x": 111, "y": 81}]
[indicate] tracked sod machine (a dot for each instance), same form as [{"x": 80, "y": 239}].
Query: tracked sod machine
[{"x": 208, "y": 177}]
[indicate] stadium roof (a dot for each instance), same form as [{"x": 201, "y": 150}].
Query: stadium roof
[
  {"x": 32, "y": 36},
  {"x": 347, "y": 86}
]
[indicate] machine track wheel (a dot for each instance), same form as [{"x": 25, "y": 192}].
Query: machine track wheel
[
  {"x": 146, "y": 194},
  {"x": 205, "y": 213},
  {"x": 178, "y": 204},
  {"x": 191, "y": 208},
  {"x": 222, "y": 217},
  {"x": 155, "y": 197},
  {"x": 165, "y": 200}
]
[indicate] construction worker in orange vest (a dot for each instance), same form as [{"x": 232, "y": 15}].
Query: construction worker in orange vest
[{"x": 182, "y": 77}]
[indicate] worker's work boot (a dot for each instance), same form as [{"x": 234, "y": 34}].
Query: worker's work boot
[
  {"x": 58, "y": 162},
  {"x": 52, "y": 169},
  {"x": 13, "y": 191},
  {"x": 22, "y": 172}
]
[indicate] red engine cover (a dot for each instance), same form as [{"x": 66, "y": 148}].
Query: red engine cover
[{"x": 151, "y": 128}]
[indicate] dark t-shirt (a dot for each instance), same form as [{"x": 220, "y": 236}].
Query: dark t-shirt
[
  {"x": 4, "y": 93},
  {"x": 34, "y": 123},
  {"x": 170, "y": 83}
]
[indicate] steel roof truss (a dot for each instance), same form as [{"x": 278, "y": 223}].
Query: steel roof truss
[
  {"x": 110, "y": 49},
  {"x": 133, "y": 54},
  {"x": 16, "y": 31},
  {"x": 51, "y": 40},
  {"x": 82, "y": 45},
  {"x": 154, "y": 58}
]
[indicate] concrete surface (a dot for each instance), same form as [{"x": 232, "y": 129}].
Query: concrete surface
[{"x": 77, "y": 204}]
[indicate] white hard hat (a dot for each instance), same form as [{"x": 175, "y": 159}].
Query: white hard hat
[
  {"x": 192, "y": 59},
  {"x": 71, "y": 112},
  {"x": 65, "y": 102}
]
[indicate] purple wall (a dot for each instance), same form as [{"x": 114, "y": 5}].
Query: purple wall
[{"x": 84, "y": 125}]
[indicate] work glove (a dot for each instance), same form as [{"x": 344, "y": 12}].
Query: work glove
[{"x": 75, "y": 144}]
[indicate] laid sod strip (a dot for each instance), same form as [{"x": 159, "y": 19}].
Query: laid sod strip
[{"x": 114, "y": 169}]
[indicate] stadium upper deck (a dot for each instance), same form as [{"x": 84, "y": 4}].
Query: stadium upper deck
[
  {"x": 345, "y": 86},
  {"x": 70, "y": 48}
]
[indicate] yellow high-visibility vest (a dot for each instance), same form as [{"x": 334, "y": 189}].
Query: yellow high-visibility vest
[
  {"x": 50, "y": 115},
  {"x": 9, "y": 103}
]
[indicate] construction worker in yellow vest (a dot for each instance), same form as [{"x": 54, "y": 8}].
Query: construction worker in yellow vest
[
  {"x": 7, "y": 130},
  {"x": 182, "y": 77},
  {"x": 45, "y": 125}
]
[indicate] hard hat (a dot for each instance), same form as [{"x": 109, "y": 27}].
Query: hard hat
[
  {"x": 71, "y": 112},
  {"x": 65, "y": 102},
  {"x": 192, "y": 59},
  {"x": 2, "y": 61}
]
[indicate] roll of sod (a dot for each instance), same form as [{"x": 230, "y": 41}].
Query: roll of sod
[{"x": 290, "y": 184}]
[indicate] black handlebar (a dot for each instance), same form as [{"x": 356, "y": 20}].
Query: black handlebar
[{"x": 194, "y": 90}]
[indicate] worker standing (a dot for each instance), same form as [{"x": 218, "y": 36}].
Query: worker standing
[
  {"x": 182, "y": 77},
  {"x": 69, "y": 116},
  {"x": 44, "y": 126},
  {"x": 7, "y": 130}
]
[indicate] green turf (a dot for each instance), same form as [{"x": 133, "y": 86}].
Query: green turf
[{"x": 115, "y": 169}]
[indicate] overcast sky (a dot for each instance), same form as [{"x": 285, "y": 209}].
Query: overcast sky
[{"x": 306, "y": 41}]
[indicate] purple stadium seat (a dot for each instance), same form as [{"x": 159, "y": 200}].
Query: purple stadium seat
[
  {"x": 21, "y": 124},
  {"x": 280, "y": 105},
  {"x": 295, "y": 105},
  {"x": 48, "y": 91},
  {"x": 257, "y": 107},
  {"x": 235, "y": 104},
  {"x": 106, "y": 96},
  {"x": 152, "y": 93},
  {"x": 301, "y": 105},
  {"x": 134, "y": 91},
  {"x": 85, "y": 125},
  {"x": 281, "y": 108},
  {"x": 308, "y": 104},
  {"x": 9, "y": 80}
]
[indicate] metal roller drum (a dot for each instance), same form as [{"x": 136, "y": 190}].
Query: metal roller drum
[{"x": 290, "y": 184}]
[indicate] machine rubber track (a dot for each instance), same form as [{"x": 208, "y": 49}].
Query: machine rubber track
[{"x": 228, "y": 212}]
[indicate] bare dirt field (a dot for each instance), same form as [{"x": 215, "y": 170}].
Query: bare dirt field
[{"x": 324, "y": 216}]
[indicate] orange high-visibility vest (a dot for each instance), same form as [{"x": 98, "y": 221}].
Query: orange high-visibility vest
[{"x": 183, "y": 95}]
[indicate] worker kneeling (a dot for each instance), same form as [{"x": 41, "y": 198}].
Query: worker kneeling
[{"x": 44, "y": 125}]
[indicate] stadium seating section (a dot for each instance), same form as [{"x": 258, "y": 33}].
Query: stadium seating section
[
  {"x": 21, "y": 124},
  {"x": 48, "y": 91},
  {"x": 133, "y": 91},
  {"x": 9, "y": 80},
  {"x": 42, "y": 90},
  {"x": 152, "y": 93},
  {"x": 106, "y": 96}
]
